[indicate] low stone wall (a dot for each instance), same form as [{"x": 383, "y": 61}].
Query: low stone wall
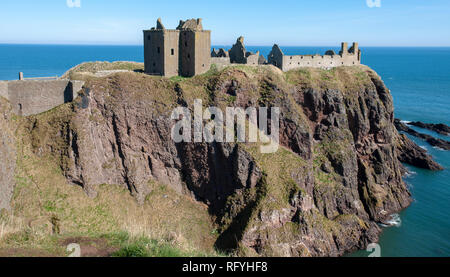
[
  {"x": 221, "y": 62},
  {"x": 7, "y": 156},
  {"x": 253, "y": 59},
  {"x": 4, "y": 89},
  {"x": 34, "y": 97}
]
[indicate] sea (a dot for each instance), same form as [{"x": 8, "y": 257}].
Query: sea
[{"x": 419, "y": 80}]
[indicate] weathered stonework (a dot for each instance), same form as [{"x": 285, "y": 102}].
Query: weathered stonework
[
  {"x": 8, "y": 156},
  {"x": 34, "y": 97},
  {"x": 184, "y": 51},
  {"x": 346, "y": 57},
  {"x": 220, "y": 53},
  {"x": 238, "y": 54}
]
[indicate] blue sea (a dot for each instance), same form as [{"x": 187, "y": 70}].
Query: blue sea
[{"x": 419, "y": 79}]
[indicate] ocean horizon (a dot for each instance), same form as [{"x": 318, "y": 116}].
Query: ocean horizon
[{"x": 419, "y": 80}]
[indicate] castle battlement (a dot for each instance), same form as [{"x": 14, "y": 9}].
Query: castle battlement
[{"x": 186, "y": 51}]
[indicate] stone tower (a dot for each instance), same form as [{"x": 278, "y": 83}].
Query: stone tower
[{"x": 184, "y": 51}]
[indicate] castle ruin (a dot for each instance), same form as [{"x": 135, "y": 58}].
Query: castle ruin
[{"x": 186, "y": 52}]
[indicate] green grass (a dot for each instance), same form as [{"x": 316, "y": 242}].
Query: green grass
[{"x": 148, "y": 248}]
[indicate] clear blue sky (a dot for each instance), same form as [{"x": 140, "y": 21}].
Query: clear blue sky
[{"x": 262, "y": 22}]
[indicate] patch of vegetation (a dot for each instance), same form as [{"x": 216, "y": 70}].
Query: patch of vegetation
[
  {"x": 144, "y": 247},
  {"x": 94, "y": 67}
]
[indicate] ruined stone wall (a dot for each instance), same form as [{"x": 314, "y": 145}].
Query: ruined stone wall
[
  {"x": 221, "y": 62},
  {"x": 34, "y": 97},
  {"x": 318, "y": 61},
  {"x": 219, "y": 53},
  {"x": 4, "y": 89},
  {"x": 7, "y": 156},
  {"x": 252, "y": 59},
  {"x": 330, "y": 59}
]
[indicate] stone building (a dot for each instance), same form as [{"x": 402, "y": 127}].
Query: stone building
[
  {"x": 184, "y": 51},
  {"x": 346, "y": 57}
]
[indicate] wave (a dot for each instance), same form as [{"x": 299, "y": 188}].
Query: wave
[
  {"x": 410, "y": 174},
  {"x": 423, "y": 147},
  {"x": 406, "y": 122},
  {"x": 438, "y": 148},
  {"x": 393, "y": 221}
]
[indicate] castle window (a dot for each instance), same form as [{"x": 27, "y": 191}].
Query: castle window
[
  {"x": 148, "y": 37},
  {"x": 154, "y": 64},
  {"x": 159, "y": 50},
  {"x": 189, "y": 56},
  {"x": 185, "y": 43},
  {"x": 203, "y": 65},
  {"x": 172, "y": 51}
]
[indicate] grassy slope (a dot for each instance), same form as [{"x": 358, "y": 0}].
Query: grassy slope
[{"x": 47, "y": 211}]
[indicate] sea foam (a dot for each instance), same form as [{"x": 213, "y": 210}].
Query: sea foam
[{"x": 393, "y": 221}]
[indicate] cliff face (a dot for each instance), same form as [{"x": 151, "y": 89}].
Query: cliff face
[{"x": 336, "y": 175}]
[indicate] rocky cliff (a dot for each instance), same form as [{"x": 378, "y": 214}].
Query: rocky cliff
[{"x": 335, "y": 177}]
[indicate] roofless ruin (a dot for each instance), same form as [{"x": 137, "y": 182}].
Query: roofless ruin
[{"x": 186, "y": 51}]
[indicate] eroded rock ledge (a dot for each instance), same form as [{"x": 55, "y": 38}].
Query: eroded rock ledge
[
  {"x": 440, "y": 143},
  {"x": 440, "y": 128}
]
